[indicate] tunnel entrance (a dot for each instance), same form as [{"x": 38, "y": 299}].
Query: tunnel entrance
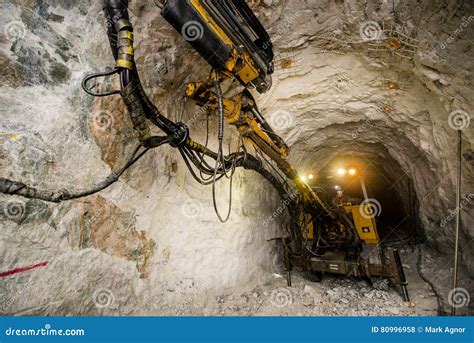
[{"x": 356, "y": 178}]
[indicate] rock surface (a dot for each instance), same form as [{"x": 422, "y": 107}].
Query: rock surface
[{"x": 153, "y": 238}]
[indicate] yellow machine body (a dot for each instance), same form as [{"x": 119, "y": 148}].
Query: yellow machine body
[
  {"x": 308, "y": 228},
  {"x": 239, "y": 64},
  {"x": 364, "y": 224},
  {"x": 243, "y": 120}
]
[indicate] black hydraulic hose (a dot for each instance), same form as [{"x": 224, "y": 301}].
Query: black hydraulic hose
[
  {"x": 220, "y": 106},
  {"x": 184, "y": 153},
  {"x": 120, "y": 34},
  {"x": 139, "y": 106},
  {"x": 114, "y": 9},
  {"x": 18, "y": 188},
  {"x": 201, "y": 155},
  {"x": 252, "y": 163},
  {"x": 88, "y": 90},
  {"x": 220, "y": 128},
  {"x": 220, "y": 155},
  {"x": 263, "y": 41},
  {"x": 249, "y": 162},
  {"x": 251, "y": 19},
  {"x": 440, "y": 311}
]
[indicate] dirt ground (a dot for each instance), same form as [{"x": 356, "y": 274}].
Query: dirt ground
[{"x": 338, "y": 296}]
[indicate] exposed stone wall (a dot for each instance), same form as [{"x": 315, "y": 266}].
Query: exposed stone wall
[
  {"x": 153, "y": 236},
  {"x": 343, "y": 93}
]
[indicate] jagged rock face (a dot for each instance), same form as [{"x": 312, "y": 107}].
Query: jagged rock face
[
  {"x": 153, "y": 237},
  {"x": 393, "y": 102}
]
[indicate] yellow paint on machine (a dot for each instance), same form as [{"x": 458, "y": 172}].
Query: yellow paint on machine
[
  {"x": 247, "y": 71},
  {"x": 210, "y": 22},
  {"x": 306, "y": 220},
  {"x": 365, "y": 225}
]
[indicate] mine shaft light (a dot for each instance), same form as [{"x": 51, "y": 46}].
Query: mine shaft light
[
  {"x": 352, "y": 172},
  {"x": 341, "y": 171},
  {"x": 307, "y": 177}
]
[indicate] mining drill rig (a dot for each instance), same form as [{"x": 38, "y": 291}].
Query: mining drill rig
[{"x": 321, "y": 238}]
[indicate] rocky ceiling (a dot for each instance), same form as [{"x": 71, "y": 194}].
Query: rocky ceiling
[{"x": 393, "y": 104}]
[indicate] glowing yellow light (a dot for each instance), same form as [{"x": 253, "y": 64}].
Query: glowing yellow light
[
  {"x": 337, "y": 187},
  {"x": 352, "y": 171},
  {"x": 341, "y": 171},
  {"x": 392, "y": 85},
  {"x": 303, "y": 178},
  {"x": 14, "y": 137},
  {"x": 310, "y": 176}
]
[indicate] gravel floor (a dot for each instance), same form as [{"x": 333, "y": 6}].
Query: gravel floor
[{"x": 334, "y": 296}]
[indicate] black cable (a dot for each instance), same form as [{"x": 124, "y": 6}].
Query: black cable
[
  {"x": 194, "y": 157},
  {"x": 220, "y": 137},
  {"x": 183, "y": 152},
  {"x": 88, "y": 90},
  {"x": 201, "y": 156},
  {"x": 186, "y": 154},
  {"x": 419, "y": 260},
  {"x": 220, "y": 106},
  {"x": 282, "y": 178},
  {"x": 425, "y": 279},
  {"x": 295, "y": 228},
  {"x": 18, "y": 188}
]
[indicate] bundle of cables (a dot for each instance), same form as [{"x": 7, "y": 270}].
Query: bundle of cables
[{"x": 141, "y": 109}]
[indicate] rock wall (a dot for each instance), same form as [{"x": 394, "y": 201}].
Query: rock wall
[
  {"x": 152, "y": 240},
  {"x": 153, "y": 237},
  {"x": 388, "y": 83}
]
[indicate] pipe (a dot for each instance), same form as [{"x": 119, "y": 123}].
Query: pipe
[
  {"x": 120, "y": 34},
  {"x": 401, "y": 275},
  {"x": 458, "y": 219},
  {"x": 364, "y": 189}
]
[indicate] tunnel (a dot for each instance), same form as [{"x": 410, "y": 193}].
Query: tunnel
[
  {"x": 151, "y": 243},
  {"x": 392, "y": 191}
]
